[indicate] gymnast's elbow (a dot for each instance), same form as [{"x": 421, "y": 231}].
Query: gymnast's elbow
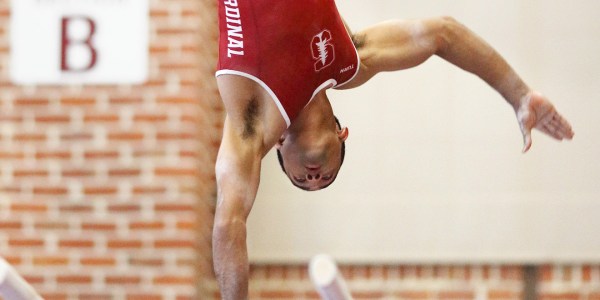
[{"x": 448, "y": 31}]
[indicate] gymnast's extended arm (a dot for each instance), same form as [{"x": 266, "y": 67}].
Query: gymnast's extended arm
[
  {"x": 238, "y": 172},
  {"x": 397, "y": 45}
]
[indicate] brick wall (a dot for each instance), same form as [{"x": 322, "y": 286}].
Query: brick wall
[
  {"x": 107, "y": 191},
  {"x": 430, "y": 282}
]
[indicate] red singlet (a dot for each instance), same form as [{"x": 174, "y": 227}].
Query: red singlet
[{"x": 292, "y": 48}]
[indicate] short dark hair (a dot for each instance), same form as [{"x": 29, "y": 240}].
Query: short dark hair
[{"x": 280, "y": 157}]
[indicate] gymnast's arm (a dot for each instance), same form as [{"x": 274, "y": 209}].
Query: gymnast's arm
[
  {"x": 238, "y": 173},
  {"x": 397, "y": 45}
]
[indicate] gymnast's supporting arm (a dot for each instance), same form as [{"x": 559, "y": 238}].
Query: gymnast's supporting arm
[
  {"x": 397, "y": 45},
  {"x": 238, "y": 174}
]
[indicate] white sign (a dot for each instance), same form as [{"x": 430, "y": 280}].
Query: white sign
[{"x": 79, "y": 41}]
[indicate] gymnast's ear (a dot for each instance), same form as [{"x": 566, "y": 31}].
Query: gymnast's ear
[
  {"x": 280, "y": 142},
  {"x": 343, "y": 134}
]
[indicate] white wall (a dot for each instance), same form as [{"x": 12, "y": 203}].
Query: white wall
[{"x": 433, "y": 170}]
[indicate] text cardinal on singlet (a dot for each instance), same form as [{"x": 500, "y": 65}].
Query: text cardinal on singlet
[{"x": 235, "y": 45}]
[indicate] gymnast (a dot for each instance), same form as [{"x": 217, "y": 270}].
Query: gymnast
[{"x": 276, "y": 61}]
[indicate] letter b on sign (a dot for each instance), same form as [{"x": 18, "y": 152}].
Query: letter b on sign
[
  {"x": 77, "y": 51},
  {"x": 79, "y": 41}
]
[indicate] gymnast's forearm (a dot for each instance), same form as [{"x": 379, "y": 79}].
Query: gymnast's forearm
[
  {"x": 230, "y": 258},
  {"x": 465, "y": 49}
]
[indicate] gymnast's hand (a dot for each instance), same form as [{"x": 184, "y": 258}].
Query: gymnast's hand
[{"x": 537, "y": 112}]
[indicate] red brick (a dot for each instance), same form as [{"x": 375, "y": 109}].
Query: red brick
[
  {"x": 52, "y": 119},
  {"x": 76, "y": 243},
  {"x": 173, "y": 172},
  {"x": 12, "y": 155},
  {"x": 124, "y": 172},
  {"x": 13, "y": 260},
  {"x": 413, "y": 295},
  {"x": 503, "y": 295},
  {"x": 45, "y": 261},
  {"x": 155, "y": 225},
  {"x": 177, "y": 31},
  {"x": 28, "y": 243},
  {"x": 176, "y": 101},
  {"x": 188, "y": 154},
  {"x": 511, "y": 273},
  {"x": 51, "y": 225},
  {"x": 101, "y": 154},
  {"x": 173, "y": 208},
  {"x": 138, "y": 190},
  {"x": 545, "y": 273},
  {"x": 125, "y": 244},
  {"x": 76, "y": 208},
  {"x": 177, "y": 66},
  {"x": 312, "y": 295},
  {"x": 126, "y": 100},
  {"x": 100, "y": 190},
  {"x": 31, "y": 102},
  {"x": 184, "y": 225},
  {"x": 146, "y": 261},
  {"x": 164, "y": 136},
  {"x": 155, "y": 83},
  {"x": 6, "y": 189},
  {"x": 10, "y": 225},
  {"x": 30, "y": 173},
  {"x": 52, "y": 191},
  {"x": 101, "y": 118},
  {"x": 73, "y": 279},
  {"x": 54, "y": 296},
  {"x": 62, "y": 155},
  {"x": 11, "y": 119},
  {"x": 186, "y": 262},
  {"x": 29, "y": 137},
  {"x": 458, "y": 295},
  {"x": 33, "y": 279},
  {"x": 278, "y": 294},
  {"x": 175, "y": 244},
  {"x": 567, "y": 273},
  {"x": 97, "y": 261},
  {"x": 124, "y": 208},
  {"x": 77, "y": 137},
  {"x": 95, "y": 296},
  {"x": 594, "y": 296},
  {"x": 125, "y": 136},
  {"x": 158, "y": 49},
  {"x": 150, "y": 118},
  {"x": 77, "y": 173},
  {"x": 587, "y": 273},
  {"x": 144, "y": 297},
  {"x": 368, "y": 295},
  {"x": 173, "y": 280},
  {"x": 156, "y": 13},
  {"x": 561, "y": 296},
  {"x": 98, "y": 226},
  {"x": 77, "y": 101},
  {"x": 28, "y": 208},
  {"x": 123, "y": 280}
]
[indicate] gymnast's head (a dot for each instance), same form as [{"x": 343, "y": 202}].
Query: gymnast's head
[{"x": 312, "y": 160}]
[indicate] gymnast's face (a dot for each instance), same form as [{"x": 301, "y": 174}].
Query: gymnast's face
[{"x": 311, "y": 161}]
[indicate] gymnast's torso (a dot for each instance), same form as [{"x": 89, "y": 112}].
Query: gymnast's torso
[{"x": 293, "y": 49}]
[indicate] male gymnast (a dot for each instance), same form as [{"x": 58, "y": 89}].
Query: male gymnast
[{"x": 276, "y": 60}]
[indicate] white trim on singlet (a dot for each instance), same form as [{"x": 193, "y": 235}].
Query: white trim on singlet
[
  {"x": 355, "y": 73},
  {"x": 328, "y": 83},
  {"x": 264, "y": 86},
  {"x": 357, "y": 62}
]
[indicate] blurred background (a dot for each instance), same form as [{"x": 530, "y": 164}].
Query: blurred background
[{"x": 110, "y": 122}]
